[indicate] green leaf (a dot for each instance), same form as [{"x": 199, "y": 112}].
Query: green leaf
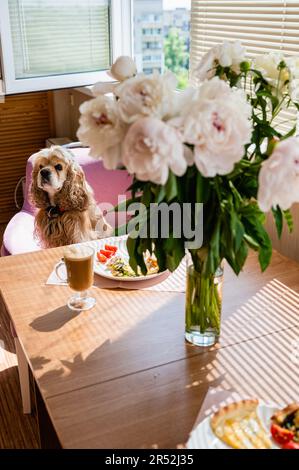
[
  {"x": 131, "y": 246},
  {"x": 140, "y": 262},
  {"x": 265, "y": 252},
  {"x": 159, "y": 251},
  {"x": 253, "y": 220},
  {"x": 237, "y": 230},
  {"x": 289, "y": 220},
  {"x": 146, "y": 195},
  {"x": 290, "y": 133},
  {"x": 241, "y": 257},
  {"x": 278, "y": 217},
  {"x": 267, "y": 94},
  {"x": 159, "y": 194},
  {"x": 175, "y": 251},
  {"x": 213, "y": 259},
  {"x": 136, "y": 255},
  {"x": 251, "y": 242},
  {"x": 120, "y": 230},
  {"x": 202, "y": 188},
  {"x": 171, "y": 189}
]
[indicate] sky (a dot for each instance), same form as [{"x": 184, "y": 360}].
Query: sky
[{"x": 172, "y": 4}]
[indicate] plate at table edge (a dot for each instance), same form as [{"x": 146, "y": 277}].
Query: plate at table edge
[
  {"x": 101, "y": 269},
  {"x": 203, "y": 437}
]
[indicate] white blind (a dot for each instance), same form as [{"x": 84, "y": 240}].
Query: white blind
[
  {"x": 55, "y": 37},
  {"x": 261, "y": 26}
]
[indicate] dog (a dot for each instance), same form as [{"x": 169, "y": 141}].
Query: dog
[{"x": 67, "y": 212}]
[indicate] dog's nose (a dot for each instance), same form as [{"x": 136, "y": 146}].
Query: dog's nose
[{"x": 45, "y": 173}]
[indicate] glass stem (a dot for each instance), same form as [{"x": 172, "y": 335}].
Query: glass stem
[{"x": 81, "y": 295}]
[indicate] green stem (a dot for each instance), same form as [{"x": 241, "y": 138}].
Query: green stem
[{"x": 203, "y": 301}]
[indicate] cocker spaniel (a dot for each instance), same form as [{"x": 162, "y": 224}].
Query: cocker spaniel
[{"x": 67, "y": 210}]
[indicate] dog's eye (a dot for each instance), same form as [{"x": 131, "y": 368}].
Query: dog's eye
[
  {"x": 40, "y": 167},
  {"x": 58, "y": 167}
]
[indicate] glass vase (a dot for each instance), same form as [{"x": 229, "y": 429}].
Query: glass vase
[{"x": 203, "y": 305}]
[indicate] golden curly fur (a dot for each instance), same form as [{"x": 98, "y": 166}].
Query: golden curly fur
[{"x": 59, "y": 182}]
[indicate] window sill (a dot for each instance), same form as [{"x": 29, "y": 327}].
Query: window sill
[{"x": 86, "y": 90}]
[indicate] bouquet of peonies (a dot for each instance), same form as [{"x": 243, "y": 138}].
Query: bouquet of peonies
[{"x": 217, "y": 144}]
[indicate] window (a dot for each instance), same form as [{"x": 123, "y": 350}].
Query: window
[
  {"x": 162, "y": 25},
  {"x": 261, "y": 26},
  {"x": 50, "y": 44}
]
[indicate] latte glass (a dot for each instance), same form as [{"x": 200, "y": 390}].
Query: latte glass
[{"x": 78, "y": 261}]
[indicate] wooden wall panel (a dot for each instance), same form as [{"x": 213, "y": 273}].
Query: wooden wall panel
[
  {"x": 26, "y": 121},
  {"x": 66, "y": 111}
]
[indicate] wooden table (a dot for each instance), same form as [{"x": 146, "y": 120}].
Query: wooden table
[{"x": 122, "y": 376}]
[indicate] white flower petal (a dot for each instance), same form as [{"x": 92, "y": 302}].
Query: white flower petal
[
  {"x": 147, "y": 95},
  {"x": 279, "y": 177},
  {"x": 102, "y": 88},
  {"x": 123, "y": 68},
  {"x": 150, "y": 148},
  {"x": 101, "y": 129},
  {"x": 218, "y": 126},
  {"x": 227, "y": 54}
]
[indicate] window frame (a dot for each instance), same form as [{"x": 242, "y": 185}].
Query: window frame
[{"x": 121, "y": 26}]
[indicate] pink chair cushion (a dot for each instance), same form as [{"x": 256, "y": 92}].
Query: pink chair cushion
[
  {"x": 18, "y": 236},
  {"x": 107, "y": 185}
]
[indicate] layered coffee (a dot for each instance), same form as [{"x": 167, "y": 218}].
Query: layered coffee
[{"x": 79, "y": 265}]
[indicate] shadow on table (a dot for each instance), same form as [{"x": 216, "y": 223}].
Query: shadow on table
[
  {"x": 143, "y": 378},
  {"x": 54, "y": 320},
  {"x": 133, "y": 343}
]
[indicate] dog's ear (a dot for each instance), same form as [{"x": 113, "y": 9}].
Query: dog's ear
[
  {"x": 37, "y": 196},
  {"x": 74, "y": 194}
]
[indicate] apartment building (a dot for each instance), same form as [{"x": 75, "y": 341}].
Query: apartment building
[{"x": 148, "y": 35}]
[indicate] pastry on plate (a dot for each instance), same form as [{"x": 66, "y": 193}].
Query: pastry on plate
[{"x": 239, "y": 426}]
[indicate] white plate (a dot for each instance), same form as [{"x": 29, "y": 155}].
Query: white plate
[
  {"x": 202, "y": 437},
  {"x": 122, "y": 251}
]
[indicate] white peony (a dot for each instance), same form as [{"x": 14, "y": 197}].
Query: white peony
[
  {"x": 101, "y": 129},
  {"x": 103, "y": 88},
  {"x": 231, "y": 54},
  {"x": 228, "y": 54},
  {"x": 151, "y": 148},
  {"x": 268, "y": 64},
  {"x": 147, "y": 95},
  {"x": 279, "y": 176},
  {"x": 206, "y": 69},
  {"x": 217, "y": 124},
  {"x": 123, "y": 68}
]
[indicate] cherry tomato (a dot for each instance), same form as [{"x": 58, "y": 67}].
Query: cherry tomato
[
  {"x": 107, "y": 253},
  {"x": 111, "y": 248},
  {"x": 281, "y": 435},
  {"x": 101, "y": 258},
  {"x": 291, "y": 445}
]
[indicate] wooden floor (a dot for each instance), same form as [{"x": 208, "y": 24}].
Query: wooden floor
[{"x": 17, "y": 431}]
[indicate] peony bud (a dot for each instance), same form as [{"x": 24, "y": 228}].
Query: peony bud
[{"x": 123, "y": 68}]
